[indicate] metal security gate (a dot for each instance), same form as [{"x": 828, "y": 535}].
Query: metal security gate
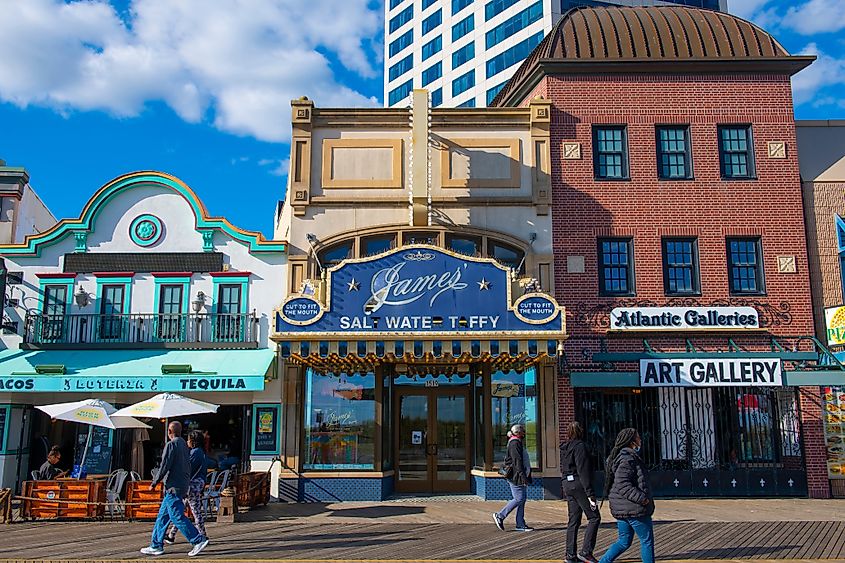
[{"x": 718, "y": 441}]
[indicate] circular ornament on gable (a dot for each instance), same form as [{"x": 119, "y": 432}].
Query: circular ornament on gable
[{"x": 145, "y": 230}]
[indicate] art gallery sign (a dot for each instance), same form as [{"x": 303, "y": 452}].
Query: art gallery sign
[{"x": 683, "y": 318}]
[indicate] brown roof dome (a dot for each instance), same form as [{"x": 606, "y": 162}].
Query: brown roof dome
[{"x": 645, "y": 39}]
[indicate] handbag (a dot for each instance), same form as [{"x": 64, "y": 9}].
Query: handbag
[{"x": 506, "y": 471}]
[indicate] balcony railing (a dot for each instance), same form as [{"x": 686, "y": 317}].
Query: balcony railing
[{"x": 142, "y": 330}]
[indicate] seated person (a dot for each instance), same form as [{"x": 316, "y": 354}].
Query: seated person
[{"x": 50, "y": 469}]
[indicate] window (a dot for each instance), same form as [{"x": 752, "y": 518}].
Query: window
[
  {"x": 616, "y": 268},
  {"x": 470, "y": 246},
  {"x": 610, "y": 152},
  {"x": 463, "y": 83},
  {"x": 463, "y": 55},
  {"x": 427, "y": 3},
  {"x": 394, "y": 3},
  {"x": 494, "y": 91},
  {"x": 401, "y": 67},
  {"x": 680, "y": 266},
  {"x": 431, "y": 22},
  {"x": 514, "y": 55},
  {"x": 377, "y": 244},
  {"x": 513, "y": 24},
  {"x": 745, "y": 266},
  {"x": 432, "y": 47},
  {"x": 507, "y": 255},
  {"x": 735, "y": 151},
  {"x": 340, "y": 420},
  {"x": 673, "y": 152},
  {"x": 514, "y": 401},
  {"x": 170, "y": 312},
  {"x": 401, "y": 18},
  {"x": 55, "y": 305},
  {"x": 228, "y": 324},
  {"x": 336, "y": 254},
  {"x": 398, "y": 94},
  {"x": 463, "y": 27},
  {"x": 419, "y": 238},
  {"x": 458, "y": 5},
  {"x": 402, "y": 42},
  {"x": 494, "y": 8},
  {"x": 111, "y": 310},
  {"x": 437, "y": 98},
  {"x": 470, "y": 103},
  {"x": 432, "y": 73}
]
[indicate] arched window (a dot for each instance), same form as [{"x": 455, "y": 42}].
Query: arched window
[
  {"x": 507, "y": 255},
  {"x": 336, "y": 254}
]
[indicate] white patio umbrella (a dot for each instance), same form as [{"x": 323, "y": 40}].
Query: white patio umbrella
[
  {"x": 167, "y": 405},
  {"x": 93, "y": 412}
]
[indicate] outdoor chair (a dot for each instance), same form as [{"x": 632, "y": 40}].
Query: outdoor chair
[
  {"x": 114, "y": 488},
  {"x": 134, "y": 476},
  {"x": 34, "y": 475},
  {"x": 211, "y": 498}
]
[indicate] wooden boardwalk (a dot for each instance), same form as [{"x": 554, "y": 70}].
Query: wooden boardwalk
[{"x": 283, "y": 541}]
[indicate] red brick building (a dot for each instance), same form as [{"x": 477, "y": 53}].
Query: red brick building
[{"x": 680, "y": 250}]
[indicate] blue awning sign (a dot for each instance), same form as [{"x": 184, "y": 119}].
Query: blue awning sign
[{"x": 420, "y": 289}]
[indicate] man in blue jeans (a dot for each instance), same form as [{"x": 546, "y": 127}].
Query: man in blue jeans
[{"x": 175, "y": 472}]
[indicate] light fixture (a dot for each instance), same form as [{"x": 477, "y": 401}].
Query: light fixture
[
  {"x": 198, "y": 303},
  {"x": 81, "y": 297}
]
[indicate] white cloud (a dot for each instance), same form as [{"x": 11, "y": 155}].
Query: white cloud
[
  {"x": 816, "y": 16},
  {"x": 826, "y": 71},
  {"x": 277, "y": 167},
  {"x": 746, "y": 9},
  {"x": 239, "y": 61}
]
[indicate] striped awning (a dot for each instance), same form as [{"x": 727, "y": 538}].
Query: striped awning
[{"x": 328, "y": 354}]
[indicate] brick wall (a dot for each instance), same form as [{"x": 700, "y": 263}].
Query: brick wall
[{"x": 707, "y": 207}]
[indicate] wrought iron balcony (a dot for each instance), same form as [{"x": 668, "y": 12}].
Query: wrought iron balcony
[{"x": 142, "y": 330}]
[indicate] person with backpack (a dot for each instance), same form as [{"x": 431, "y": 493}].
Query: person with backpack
[
  {"x": 517, "y": 470},
  {"x": 627, "y": 488},
  {"x": 577, "y": 485}
]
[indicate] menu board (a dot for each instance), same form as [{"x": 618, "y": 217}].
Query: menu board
[
  {"x": 265, "y": 429},
  {"x": 834, "y": 430},
  {"x": 98, "y": 458}
]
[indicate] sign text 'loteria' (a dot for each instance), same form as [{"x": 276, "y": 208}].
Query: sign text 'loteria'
[
  {"x": 683, "y": 318},
  {"x": 711, "y": 373},
  {"x": 134, "y": 384}
]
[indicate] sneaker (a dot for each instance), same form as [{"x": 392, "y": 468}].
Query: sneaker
[
  {"x": 152, "y": 551},
  {"x": 198, "y": 548},
  {"x": 499, "y": 522},
  {"x": 524, "y": 529},
  {"x": 588, "y": 558},
  {"x": 169, "y": 541}
]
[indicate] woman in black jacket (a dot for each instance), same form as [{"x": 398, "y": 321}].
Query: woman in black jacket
[
  {"x": 577, "y": 487},
  {"x": 631, "y": 503},
  {"x": 519, "y": 469}
]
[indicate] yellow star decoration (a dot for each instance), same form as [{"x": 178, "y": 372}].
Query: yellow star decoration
[
  {"x": 353, "y": 285},
  {"x": 483, "y": 285}
]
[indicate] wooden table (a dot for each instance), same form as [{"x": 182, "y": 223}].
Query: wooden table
[{"x": 64, "y": 498}]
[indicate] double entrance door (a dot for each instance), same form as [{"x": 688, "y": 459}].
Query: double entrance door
[{"x": 433, "y": 440}]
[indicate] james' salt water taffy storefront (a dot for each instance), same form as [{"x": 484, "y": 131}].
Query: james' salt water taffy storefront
[{"x": 411, "y": 366}]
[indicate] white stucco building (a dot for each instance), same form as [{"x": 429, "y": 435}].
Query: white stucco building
[
  {"x": 21, "y": 210},
  {"x": 144, "y": 292}
]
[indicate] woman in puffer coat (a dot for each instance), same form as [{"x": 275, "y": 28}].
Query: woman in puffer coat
[{"x": 631, "y": 503}]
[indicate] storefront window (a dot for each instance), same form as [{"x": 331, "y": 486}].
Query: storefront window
[
  {"x": 336, "y": 254},
  {"x": 480, "y": 413},
  {"x": 469, "y": 246},
  {"x": 834, "y": 430},
  {"x": 340, "y": 420},
  {"x": 514, "y": 401}
]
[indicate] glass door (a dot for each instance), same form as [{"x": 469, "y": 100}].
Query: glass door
[
  {"x": 111, "y": 311},
  {"x": 432, "y": 443},
  {"x": 170, "y": 312}
]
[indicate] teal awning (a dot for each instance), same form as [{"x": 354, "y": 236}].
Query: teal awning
[{"x": 133, "y": 370}]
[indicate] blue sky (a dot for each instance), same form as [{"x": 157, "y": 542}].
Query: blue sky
[{"x": 93, "y": 89}]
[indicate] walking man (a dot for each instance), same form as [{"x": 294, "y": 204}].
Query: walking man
[
  {"x": 580, "y": 498},
  {"x": 175, "y": 472}
]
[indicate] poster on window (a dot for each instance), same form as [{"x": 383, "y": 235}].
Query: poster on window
[
  {"x": 834, "y": 430},
  {"x": 265, "y": 429}
]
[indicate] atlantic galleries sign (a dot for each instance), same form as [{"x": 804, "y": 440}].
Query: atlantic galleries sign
[
  {"x": 683, "y": 318},
  {"x": 420, "y": 289}
]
